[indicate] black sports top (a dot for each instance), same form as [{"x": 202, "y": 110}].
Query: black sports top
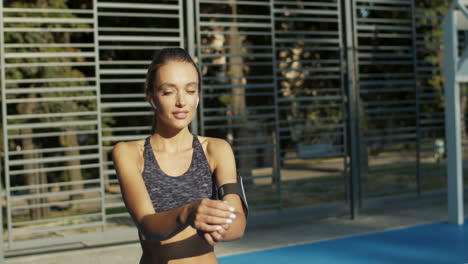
[{"x": 170, "y": 192}]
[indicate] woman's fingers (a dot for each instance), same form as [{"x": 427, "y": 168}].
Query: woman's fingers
[
  {"x": 209, "y": 239},
  {"x": 211, "y": 215}
]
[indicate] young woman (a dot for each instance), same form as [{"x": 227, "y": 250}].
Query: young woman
[{"x": 172, "y": 179}]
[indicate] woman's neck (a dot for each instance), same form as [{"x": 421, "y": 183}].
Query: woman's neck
[{"x": 172, "y": 141}]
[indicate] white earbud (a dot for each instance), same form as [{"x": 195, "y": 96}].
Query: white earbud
[
  {"x": 198, "y": 100},
  {"x": 153, "y": 104}
]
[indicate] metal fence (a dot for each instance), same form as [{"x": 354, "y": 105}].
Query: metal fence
[{"x": 323, "y": 102}]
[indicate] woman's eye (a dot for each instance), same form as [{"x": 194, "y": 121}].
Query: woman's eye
[
  {"x": 191, "y": 92},
  {"x": 166, "y": 93}
]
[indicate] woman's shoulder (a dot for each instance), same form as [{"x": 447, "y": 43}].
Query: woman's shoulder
[
  {"x": 216, "y": 148},
  {"x": 130, "y": 148}
]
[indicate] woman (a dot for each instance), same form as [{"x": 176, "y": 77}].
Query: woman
[{"x": 170, "y": 180}]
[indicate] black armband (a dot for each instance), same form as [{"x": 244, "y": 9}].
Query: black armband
[{"x": 235, "y": 188}]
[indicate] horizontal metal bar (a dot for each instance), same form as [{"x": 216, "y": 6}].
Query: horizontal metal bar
[
  {"x": 384, "y": 35},
  {"x": 138, "y": 15},
  {"x": 137, "y": 6},
  {"x": 47, "y": 20},
  {"x": 379, "y": 21},
  {"x": 55, "y": 229},
  {"x": 56, "y": 168},
  {"x": 117, "y": 215},
  {"x": 49, "y": 54},
  {"x": 305, "y": 32},
  {"x": 123, "y": 71},
  {"x": 53, "y": 134},
  {"x": 138, "y": 29},
  {"x": 233, "y": 117},
  {"x": 261, "y": 124},
  {"x": 49, "y": 64},
  {"x": 77, "y": 238},
  {"x": 232, "y": 86},
  {"x": 71, "y": 30},
  {"x": 138, "y": 38},
  {"x": 48, "y": 10},
  {"x": 126, "y": 105},
  {"x": 133, "y": 47},
  {"x": 305, "y": 11},
  {"x": 250, "y": 17},
  {"x": 50, "y": 89},
  {"x": 52, "y": 194},
  {"x": 114, "y": 205},
  {"x": 56, "y": 203},
  {"x": 124, "y": 138},
  {"x": 120, "y": 113},
  {"x": 74, "y": 123},
  {"x": 51, "y": 150},
  {"x": 131, "y": 128},
  {"x": 57, "y": 184},
  {"x": 238, "y": 2},
  {"x": 307, "y": 19},
  {"x": 240, "y": 33},
  {"x": 238, "y": 24},
  {"x": 243, "y": 55},
  {"x": 315, "y": 4},
  {"x": 15, "y": 117},
  {"x": 123, "y": 95},
  {"x": 49, "y": 45},
  {"x": 226, "y": 109},
  {"x": 311, "y": 99},
  {"x": 49, "y": 80},
  {"x": 307, "y": 40},
  {"x": 53, "y": 159},
  {"x": 51, "y": 99},
  {"x": 23, "y": 223},
  {"x": 125, "y": 62},
  {"x": 315, "y": 127}
]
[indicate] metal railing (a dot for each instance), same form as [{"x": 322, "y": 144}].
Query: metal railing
[{"x": 322, "y": 103}]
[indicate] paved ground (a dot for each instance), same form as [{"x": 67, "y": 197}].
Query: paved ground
[{"x": 271, "y": 231}]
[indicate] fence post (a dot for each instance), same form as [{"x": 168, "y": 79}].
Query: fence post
[
  {"x": 2, "y": 90},
  {"x": 452, "y": 115},
  {"x": 353, "y": 115}
]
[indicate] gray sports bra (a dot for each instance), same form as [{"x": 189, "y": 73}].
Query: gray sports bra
[{"x": 168, "y": 192}]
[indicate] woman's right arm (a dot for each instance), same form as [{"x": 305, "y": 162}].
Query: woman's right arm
[{"x": 205, "y": 215}]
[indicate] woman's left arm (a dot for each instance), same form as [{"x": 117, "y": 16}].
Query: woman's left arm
[{"x": 226, "y": 172}]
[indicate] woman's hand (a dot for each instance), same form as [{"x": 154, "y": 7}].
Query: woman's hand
[{"x": 211, "y": 216}]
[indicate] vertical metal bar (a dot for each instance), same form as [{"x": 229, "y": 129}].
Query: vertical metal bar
[
  {"x": 343, "y": 102},
  {"x": 201, "y": 124},
  {"x": 191, "y": 49},
  {"x": 5, "y": 141},
  {"x": 358, "y": 107},
  {"x": 452, "y": 121},
  {"x": 277, "y": 169},
  {"x": 416, "y": 91},
  {"x": 5, "y": 132},
  {"x": 353, "y": 112},
  {"x": 99, "y": 110}
]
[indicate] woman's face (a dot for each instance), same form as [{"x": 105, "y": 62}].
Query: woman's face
[{"x": 176, "y": 94}]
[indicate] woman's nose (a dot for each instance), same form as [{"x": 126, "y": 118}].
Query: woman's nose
[{"x": 181, "y": 101}]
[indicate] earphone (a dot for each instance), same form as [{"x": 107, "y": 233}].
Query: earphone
[{"x": 154, "y": 106}]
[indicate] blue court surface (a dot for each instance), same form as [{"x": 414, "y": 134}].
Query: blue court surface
[{"x": 431, "y": 243}]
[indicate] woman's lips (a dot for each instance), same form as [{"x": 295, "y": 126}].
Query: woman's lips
[{"x": 180, "y": 115}]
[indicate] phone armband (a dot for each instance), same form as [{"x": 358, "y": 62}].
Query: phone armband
[{"x": 235, "y": 188}]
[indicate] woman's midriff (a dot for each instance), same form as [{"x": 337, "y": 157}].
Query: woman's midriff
[{"x": 186, "y": 247}]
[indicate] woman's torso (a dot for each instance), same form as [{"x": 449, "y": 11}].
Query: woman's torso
[{"x": 169, "y": 192}]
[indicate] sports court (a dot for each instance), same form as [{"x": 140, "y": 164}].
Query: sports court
[{"x": 430, "y": 243}]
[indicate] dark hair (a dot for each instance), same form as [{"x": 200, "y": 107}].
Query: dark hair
[{"x": 160, "y": 58}]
